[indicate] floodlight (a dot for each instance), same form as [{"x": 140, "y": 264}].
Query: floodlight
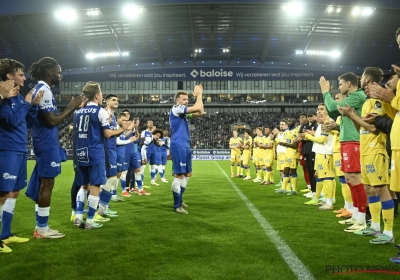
[{"x": 66, "y": 15}]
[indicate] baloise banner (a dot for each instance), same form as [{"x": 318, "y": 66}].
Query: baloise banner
[
  {"x": 211, "y": 154},
  {"x": 205, "y": 73}
]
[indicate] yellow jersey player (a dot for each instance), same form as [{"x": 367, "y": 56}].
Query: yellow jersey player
[
  {"x": 268, "y": 156},
  {"x": 292, "y": 157},
  {"x": 246, "y": 155},
  {"x": 234, "y": 145},
  {"x": 280, "y": 149},
  {"x": 333, "y": 127},
  {"x": 323, "y": 148},
  {"x": 375, "y": 162},
  {"x": 258, "y": 154}
]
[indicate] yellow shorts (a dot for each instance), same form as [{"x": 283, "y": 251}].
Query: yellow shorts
[
  {"x": 291, "y": 162},
  {"x": 246, "y": 157},
  {"x": 269, "y": 160},
  {"x": 395, "y": 172},
  {"x": 235, "y": 156},
  {"x": 281, "y": 161},
  {"x": 256, "y": 157},
  {"x": 374, "y": 170},
  {"x": 337, "y": 159},
  {"x": 324, "y": 166}
]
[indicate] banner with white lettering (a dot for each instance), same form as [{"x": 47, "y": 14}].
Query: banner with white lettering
[
  {"x": 205, "y": 74},
  {"x": 211, "y": 154},
  {"x": 209, "y": 157}
]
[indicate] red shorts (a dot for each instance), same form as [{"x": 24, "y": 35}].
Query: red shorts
[{"x": 350, "y": 152}]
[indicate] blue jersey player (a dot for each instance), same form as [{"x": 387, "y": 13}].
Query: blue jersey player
[
  {"x": 180, "y": 143},
  {"x": 45, "y": 142},
  {"x": 122, "y": 165},
  {"x": 164, "y": 151},
  {"x": 93, "y": 125},
  {"x": 14, "y": 140},
  {"x": 147, "y": 137}
]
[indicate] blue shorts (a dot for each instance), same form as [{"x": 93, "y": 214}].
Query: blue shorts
[
  {"x": 134, "y": 162},
  {"x": 127, "y": 161},
  {"x": 13, "y": 172},
  {"x": 151, "y": 158},
  {"x": 49, "y": 163},
  {"x": 181, "y": 160},
  {"x": 163, "y": 159},
  {"x": 111, "y": 163},
  {"x": 120, "y": 164},
  {"x": 158, "y": 158},
  {"x": 94, "y": 175}
]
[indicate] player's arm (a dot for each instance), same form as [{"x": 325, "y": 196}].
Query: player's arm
[
  {"x": 47, "y": 107},
  {"x": 198, "y": 107},
  {"x": 105, "y": 126},
  {"x": 14, "y": 118},
  {"x": 317, "y": 139},
  {"x": 353, "y": 100},
  {"x": 121, "y": 142}
]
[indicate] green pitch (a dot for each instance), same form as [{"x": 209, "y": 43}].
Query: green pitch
[{"x": 219, "y": 239}]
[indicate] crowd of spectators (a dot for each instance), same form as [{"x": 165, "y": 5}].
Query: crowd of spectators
[{"x": 212, "y": 131}]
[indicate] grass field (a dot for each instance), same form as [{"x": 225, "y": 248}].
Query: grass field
[{"x": 235, "y": 230}]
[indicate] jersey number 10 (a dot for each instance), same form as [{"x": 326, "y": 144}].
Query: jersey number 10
[{"x": 85, "y": 124}]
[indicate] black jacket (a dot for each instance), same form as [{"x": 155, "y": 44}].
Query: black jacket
[
  {"x": 385, "y": 125},
  {"x": 306, "y": 148}
]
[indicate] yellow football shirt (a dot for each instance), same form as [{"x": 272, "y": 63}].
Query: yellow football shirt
[
  {"x": 395, "y": 132},
  {"x": 234, "y": 143},
  {"x": 372, "y": 143}
]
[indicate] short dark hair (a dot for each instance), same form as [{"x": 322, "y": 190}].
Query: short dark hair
[
  {"x": 322, "y": 104},
  {"x": 179, "y": 93},
  {"x": 90, "y": 90},
  {"x": 374, "y": 73},
  {"x": 122, "y": 114},
  {"x": 109, "y": 96},
  {"x": 9, "y": 66},
  {"x": 155, "y": 131},
  {"x": 397, "y": 32},
  {"x": 248, "y": 131},
  {"x": 303, "y": 114},
  {"x": 126, "y": 111},
  {"x": 37, "y": 71},
  {"x": 349, "y": 77}
]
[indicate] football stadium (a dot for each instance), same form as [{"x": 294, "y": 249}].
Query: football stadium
[{"x": 199, "y": 139}]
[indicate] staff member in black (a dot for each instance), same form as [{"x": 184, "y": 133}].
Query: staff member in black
[{"x": 306, "y": 150}]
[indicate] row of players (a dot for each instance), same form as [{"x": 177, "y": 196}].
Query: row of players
[{"x": 352, "y": 148}]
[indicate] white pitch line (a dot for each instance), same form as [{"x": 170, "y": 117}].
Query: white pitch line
[{"x": 295, "y": 264}]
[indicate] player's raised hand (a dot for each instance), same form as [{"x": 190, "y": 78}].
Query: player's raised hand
[
  {"x": 370, "y": 118},
  {"x": 346, "y": 110},
  {"x": 131, "y": 126},
  {"x": 324, "y": 84},
  {"x": 38, "y": 97},
  {"x": 396, "y": 69},
  {"x": 77, "y": 102},
  {"x": 28, "y": 97},
  {"x": 133, "y": 139},
  {"x": 328, "y": 126},
  {"x": 275, "y": 131},
  {"x": 8, "y": 89},
  {"x": 378, "y": 92},
  {"x": 198, "y": 90}
]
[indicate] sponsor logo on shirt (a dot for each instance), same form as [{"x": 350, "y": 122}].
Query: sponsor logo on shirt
[
  {"x": 9, "y": 176},
  {"x": 55, "y": 164},
  {"x": 113, "y": 166},
  {"x": 182, "y": 164}
]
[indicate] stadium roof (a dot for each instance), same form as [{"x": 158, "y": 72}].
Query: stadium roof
[{"x": 167, "y": 33}]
